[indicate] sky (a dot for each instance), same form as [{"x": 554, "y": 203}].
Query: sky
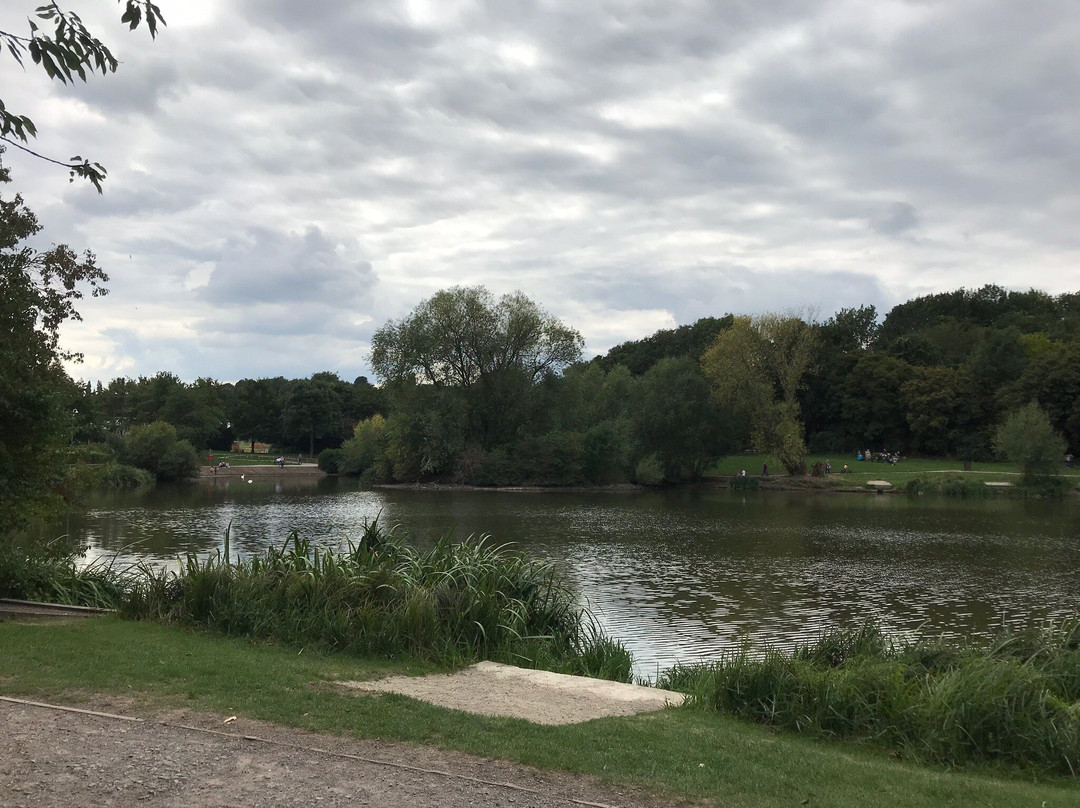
[{"x": 286, "y": 177}]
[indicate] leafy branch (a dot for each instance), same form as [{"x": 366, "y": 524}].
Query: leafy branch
[{"x": 66, "y": 52}]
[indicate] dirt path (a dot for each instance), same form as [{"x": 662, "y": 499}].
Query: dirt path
[{"x": 57, "y": 758}]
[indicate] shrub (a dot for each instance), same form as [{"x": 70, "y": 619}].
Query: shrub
[
  {"x": 649, "y": 471},
  {"x": 330, "y": 460},
  {"x": 1012, "y": 701},
  {"x": 155, "y": 448}
]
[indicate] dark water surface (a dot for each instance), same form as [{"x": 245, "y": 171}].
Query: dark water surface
[{"x": 678, "y": 575}]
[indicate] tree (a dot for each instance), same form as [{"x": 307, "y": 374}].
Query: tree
[
  {"x": 38, "y": 293},
  {"x": 312, "y": 410},
  {"x": 1027, "y": 437},
  {"x": 492, "y": 352},
  {"x": 69, "y": 50},
  {"x": 675, "y": 419},
  {"x": 756, "y": 368}
]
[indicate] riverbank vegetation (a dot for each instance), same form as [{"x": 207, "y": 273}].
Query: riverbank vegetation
[
  {"x": 690, "y": 753},
  {"x": 1014, "y": 701},
  {"x": 458, "y": 602}
]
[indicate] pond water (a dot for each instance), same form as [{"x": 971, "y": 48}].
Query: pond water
[{"x": 677, "y": 575}]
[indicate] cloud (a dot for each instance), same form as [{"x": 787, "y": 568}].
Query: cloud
[{"x": 283, "y": 177}]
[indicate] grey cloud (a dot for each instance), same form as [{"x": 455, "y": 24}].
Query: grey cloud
[
  {"x": 896, "y": 219},
  {"x": 267, "y": 267}
]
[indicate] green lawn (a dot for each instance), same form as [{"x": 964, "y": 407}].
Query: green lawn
[
  {"x": 861, "y": 472},
  {"x": 247, "y": 459},
  {"x": 680, "y": 752}
]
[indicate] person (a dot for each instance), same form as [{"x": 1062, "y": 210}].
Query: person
[
  {"x": 300, "y": 459},
  {"x": 828, "y": 467},
  {"x": 280, "y": 462},
  {"x": 845, "y": 469},
  {"x": 764, "y": 469},
  {"x": 1068, "y": 461},
  {"x": 742, "y": 473}
]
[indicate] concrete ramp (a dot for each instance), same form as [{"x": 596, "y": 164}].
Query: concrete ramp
[{"x": 489, "y": 688}]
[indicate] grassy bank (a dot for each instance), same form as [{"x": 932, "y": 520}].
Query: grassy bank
[
  {"x": 681, "y": 752},
  {"x": 899, "y": 475},
  {"x": 1015, "y": 701}
]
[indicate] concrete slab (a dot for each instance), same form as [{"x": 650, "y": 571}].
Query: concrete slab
[
  {"x": 490, "y": 688},
  {"x": 879, "y": 485}
]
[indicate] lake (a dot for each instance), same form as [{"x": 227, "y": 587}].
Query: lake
[{"x": 677, "y": 575}]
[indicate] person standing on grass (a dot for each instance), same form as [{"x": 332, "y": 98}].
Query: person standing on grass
[{"x": 764, "y": 469}]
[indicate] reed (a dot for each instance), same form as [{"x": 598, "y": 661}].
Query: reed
[
  {"x": 51, "y": 572},
  {"x": 454, "y": 603},
  {"x": 1014, "y": 701}
]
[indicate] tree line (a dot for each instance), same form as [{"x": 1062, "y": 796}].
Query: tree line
[{"x": 483, "y": 390}]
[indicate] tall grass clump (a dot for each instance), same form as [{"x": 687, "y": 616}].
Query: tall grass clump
[
  {"x": 455, "y": 603},
  {"x": 1014, "y": 701},
  {"x": 51, "y": 572},
  {"x": 950, "y": 485}
]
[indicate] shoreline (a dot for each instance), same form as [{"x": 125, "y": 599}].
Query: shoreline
[{"x": 269, "y": 470}]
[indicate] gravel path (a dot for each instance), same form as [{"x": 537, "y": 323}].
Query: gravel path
[{"x": 57, "y": 758}]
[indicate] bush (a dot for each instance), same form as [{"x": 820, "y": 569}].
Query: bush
[
  {"x": 155, "y": 448},
  {"x": 1013, "y": 701},
  {"x": 649, "y": 471},
  {"x": 330, "y": 460},
  {"x": 556, "y": 458}
]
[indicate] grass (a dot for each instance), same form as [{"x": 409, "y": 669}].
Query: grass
[
  {"x": 248, "y": 459},
  {"x": 1015, "y": 701},
  {"x": 899, "y": 474},
  {"x": 678, "y": 752},
  {"x": 457, "y": 602},
  {"x": 48, "y": 572}
]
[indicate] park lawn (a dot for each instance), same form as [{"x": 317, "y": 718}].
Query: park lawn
[
  {"x": 248, "y": 459},
  {"x": 675, "y": 751},
  {"x": 862, "y": 472}
]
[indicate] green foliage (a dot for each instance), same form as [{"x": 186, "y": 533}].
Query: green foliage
[
  {"x": 38, "y": 293},
  {"x": 675, "y": 419},
  {"x": 490, "y": 355},
  {"x": 330, "y": 460},
  {"x": 1027, "y": 437},
  {"x": 948, "y": 485},
  {"x": 367, "y": 447},
  {"x": 51, "y": 572},
  {"x": 70, "y": 50},
  {"x": 1010, "y": 702},
  {"x": 684, "y": 342},
  {"x": 757, "y": 368},
  {"x": 455, "y": 603},
  {"x": 649, "y": 471},
  {"x": 156, "y": 448}
]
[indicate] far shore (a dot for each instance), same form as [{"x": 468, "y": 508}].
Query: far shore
[{"x": 290, "y": 469}]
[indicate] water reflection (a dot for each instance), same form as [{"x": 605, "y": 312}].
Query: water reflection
[{"x": 676, "y": 575}]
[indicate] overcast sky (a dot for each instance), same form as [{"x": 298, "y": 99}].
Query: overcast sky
[{"x": 284, "y": 177}]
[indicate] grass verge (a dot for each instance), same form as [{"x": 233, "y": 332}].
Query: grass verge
[{"x": 679, "y": 752}]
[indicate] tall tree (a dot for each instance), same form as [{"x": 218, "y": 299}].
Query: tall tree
[
  {"x": 494, "y": 352},
  {"x": 757, "y": 368},
  {"x": 38, "y": 293}
]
